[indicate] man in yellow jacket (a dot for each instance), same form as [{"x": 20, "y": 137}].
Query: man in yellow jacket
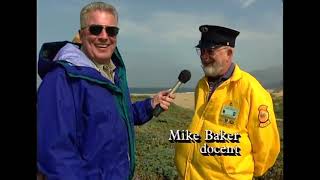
[{"x": 234, "y": 117}]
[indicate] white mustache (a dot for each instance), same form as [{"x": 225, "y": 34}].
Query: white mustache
[{"x": 210, "y": 70}]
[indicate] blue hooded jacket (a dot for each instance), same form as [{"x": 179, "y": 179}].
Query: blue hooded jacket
[{"x": 85, "y": 123}]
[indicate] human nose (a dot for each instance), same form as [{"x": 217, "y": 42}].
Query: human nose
[
  {"x": 204, "y": 54},
  {"x": 103, "y": 34}
]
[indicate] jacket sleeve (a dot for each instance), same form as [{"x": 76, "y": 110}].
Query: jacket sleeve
[
  {"x": 263, "y": 131},
  {"x": 57, "y": 154},
  {"x": 142, "y": 111}
]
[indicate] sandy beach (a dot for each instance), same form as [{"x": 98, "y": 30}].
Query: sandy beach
[{"x": 185, "y": 99}]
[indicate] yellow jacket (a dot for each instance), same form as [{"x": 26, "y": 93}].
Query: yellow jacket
[{"x": 239, "y": 105}]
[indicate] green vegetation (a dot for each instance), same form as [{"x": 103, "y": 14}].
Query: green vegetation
[
  {"x": 278, "y": 106},
  {"x": 155, "y": 153}
]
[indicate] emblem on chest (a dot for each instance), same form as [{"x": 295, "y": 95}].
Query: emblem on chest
[{"x": 229, "y": 114}]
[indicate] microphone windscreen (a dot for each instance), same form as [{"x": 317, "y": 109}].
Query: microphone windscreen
[{"x": 184, "y": 76}]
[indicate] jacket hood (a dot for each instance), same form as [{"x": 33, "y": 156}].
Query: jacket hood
[
  {"x": 68, "y": 52},
  {"x": 72, "y": 54}
]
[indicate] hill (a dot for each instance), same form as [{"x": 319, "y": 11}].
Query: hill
[{"x": 271, "y": 77}]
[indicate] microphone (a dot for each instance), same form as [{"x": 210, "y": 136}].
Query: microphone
[{"x": 184, "y": 77}]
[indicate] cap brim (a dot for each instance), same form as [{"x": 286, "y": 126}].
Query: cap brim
[{"x": 206, "y": 45}]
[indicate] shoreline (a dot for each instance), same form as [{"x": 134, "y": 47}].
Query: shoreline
[
  {"x": 152, "y": 94},
  {"x": 183, "y": 99},
  {"x": 186, "y": 99}
]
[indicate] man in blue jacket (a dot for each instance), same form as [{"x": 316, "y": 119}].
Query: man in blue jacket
[{"x": 85, "y": 117}]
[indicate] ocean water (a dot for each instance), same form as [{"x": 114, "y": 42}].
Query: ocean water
[{"x": 155, "y": 90}]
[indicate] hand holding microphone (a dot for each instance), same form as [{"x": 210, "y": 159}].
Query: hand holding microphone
[{"x": 184, "y": 77}]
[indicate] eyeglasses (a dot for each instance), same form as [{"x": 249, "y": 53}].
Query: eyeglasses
[
  {"x": 210, "y": 51},
  {"x": 96, "y": 29}
]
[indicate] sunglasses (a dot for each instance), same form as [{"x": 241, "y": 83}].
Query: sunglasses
[{"x": 97, "y": 29}]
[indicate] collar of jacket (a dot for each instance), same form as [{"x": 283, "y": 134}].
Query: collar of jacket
[
  {"x": 92, "y": 75},
  {"x": 236, "y": 75}
]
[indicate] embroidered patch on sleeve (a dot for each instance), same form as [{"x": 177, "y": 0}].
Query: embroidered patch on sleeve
[{"x": 263, "y": 116}]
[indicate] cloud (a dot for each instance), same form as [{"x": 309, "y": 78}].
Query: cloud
[
  {"x": 172, "y": 28},
  {"x": 166, "y": 40},
  {"x": 246, "y": 3},
  {"x": 254, "y": 35},
  {"x": 169, "y": 27}
]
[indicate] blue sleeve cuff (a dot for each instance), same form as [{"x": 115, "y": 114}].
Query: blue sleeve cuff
[{"x": 142, "y": 111}]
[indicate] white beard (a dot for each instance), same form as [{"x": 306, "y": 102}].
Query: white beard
[{"x": 212, "y": 70}]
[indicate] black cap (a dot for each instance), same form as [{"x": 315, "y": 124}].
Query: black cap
[{"x": 216, "y": 35}]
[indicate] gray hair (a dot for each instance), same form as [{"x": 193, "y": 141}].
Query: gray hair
[{"x": 102, "y": 6}]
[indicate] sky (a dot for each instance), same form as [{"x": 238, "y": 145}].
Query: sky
[{"x": 157, "y": 38}]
